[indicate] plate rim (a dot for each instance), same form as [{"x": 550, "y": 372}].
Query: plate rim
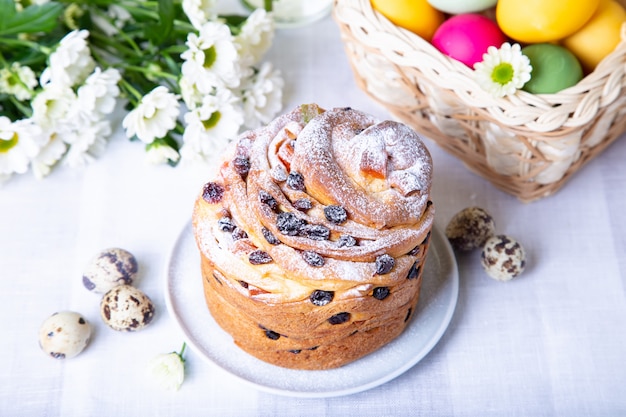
[{"x": 452, "y": 286}]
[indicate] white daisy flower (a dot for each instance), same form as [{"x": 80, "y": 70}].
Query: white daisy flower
[
  {"x": 199, "y": 11},
  {"x": 159, "y": 152},
  {"x": 212, "y": 59},
  {"x": 256, "y": 36},
  {"x": 20, "y": 142},
  {"x": 48, "y": 156},
  {"x": 52, "y": 105},
  {"x": 168, "y": 369},
  {"x": 99, "y": 93},
  {"x": 87, "y": 140},
  {"x": 212, "y": 125},
  {"x": 503, "y": 71},
  {"x": 71, "y": 62},
  {"x": 192, "y": 97},
  {"x": 262, "y": 96},
  {"x": 19, "y": 81},
  {"x": 154, "y": 116}
]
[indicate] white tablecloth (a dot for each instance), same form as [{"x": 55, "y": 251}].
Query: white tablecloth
[{"x": 551, "y": 342}]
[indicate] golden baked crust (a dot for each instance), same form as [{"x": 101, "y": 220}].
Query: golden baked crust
[{"x": 313, "y": 234}]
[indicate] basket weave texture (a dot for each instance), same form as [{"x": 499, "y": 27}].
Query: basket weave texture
[{"x": 527, "y": 145}]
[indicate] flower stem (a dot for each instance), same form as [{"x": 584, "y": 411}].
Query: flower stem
[
  {"x": 132, "y": 90},
  {"x": 182, "y": 351}
]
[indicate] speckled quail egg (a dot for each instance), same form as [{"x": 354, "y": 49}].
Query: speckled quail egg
[
  {"x": 503, "y": 257},
  {"x": 110, "y": 268},
  {"x": 470, "y": 228},
  {"x": 126, "y": 308},
  {"x": 64, "y": 335}
]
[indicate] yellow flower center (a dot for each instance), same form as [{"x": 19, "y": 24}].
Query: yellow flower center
[
  {"x": 6, "y": 145},
  {"x": 502, "y": 73},
  {"x": 212, "y": 120},
  {"x": 210, "y": 55}
]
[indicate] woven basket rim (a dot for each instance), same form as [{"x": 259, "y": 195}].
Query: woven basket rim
[{"x": 571, "y": 107}]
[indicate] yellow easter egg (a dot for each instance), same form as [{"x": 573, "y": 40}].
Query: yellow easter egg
[
  {"x": 535, "y": 21},
  {"x": 418, "y": 16},
  {"x": 599, "y": 36}
]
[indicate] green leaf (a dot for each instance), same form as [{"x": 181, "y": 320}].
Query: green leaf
[
  {"x": 34, "y": 18},
  {"x": 158, "y": 32}
]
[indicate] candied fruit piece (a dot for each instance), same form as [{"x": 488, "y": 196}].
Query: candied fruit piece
[
  {"x": 239, "y": 233},
  {"x": 335, "y": 214},
  {"x": 269, "y": 236},
  {"x": 259, "y": 257},
  {"x": 380, "y": 293},
  {"x": 272, "y": 335},
  {"x": 212, "y": 192},
  {"x": 226, "y": 224},
  {"x": 313, "y": 258},
  {"x": 295, "y": 181},
  {"x": 321, "y": 297},
  {"x": 289, "y": 224},
  {"x": 339, "y": 318},
  {"x": 384, "y": 264},
  {"x": 266, "y": 198},
  {"x": 346, "y": 240},
  {"x": 303, "y": 204},
  {"x": 414, "y": 271},
  {"x": 315, "y": 232},
  {"x": 241, "y": 165}
]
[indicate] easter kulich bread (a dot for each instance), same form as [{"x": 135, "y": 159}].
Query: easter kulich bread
[{"x": 313, "y": 232}]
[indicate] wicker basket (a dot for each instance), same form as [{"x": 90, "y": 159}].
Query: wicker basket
[{"x": 527, "y": 145}]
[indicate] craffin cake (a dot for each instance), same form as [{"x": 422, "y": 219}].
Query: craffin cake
[{"x": 313, "y": 233}]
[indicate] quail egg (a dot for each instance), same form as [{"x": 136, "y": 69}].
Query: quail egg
[
  {"x": 126, "y": 308},
  {"x": 110, "y": 268},
  {"x": 503, "y": 257},
  {"x": 470, "y": 228},
  {"x": 64, "y": 335}
]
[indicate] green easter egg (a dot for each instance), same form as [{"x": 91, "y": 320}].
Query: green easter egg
[{"x": 554, "y": 68}]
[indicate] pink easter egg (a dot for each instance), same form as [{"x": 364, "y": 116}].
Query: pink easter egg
[{"x": 466, "y": 37}]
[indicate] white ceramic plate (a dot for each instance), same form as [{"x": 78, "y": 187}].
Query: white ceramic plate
[{"x": 185, "y": 301}]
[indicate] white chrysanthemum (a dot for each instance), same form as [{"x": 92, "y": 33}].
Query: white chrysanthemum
[
  {"x": 20, "y": 142},
  {"x": 199, "y": 11},
  {"x": 159, "y": 152},
  {"x": 87, "y": 140},
  {"x": 503, "y": 71},
  {"x": 192, "y": 97},
  {"x": 48, "y": 156},
  {"x": 99, "y": 93},
  {"x": 256, "y": 36},
  {"x": 71, "y": 62},
  {"x": 211, "y": 126},
  {"x": 168, "y": 370},
  {"x": 154, "y": 116},
  {"x": 19, "y": 81},
  {"x": 262, "y": 96},
  {"x": 52, "y": 105},
  {"x": 211, "y": 60}
]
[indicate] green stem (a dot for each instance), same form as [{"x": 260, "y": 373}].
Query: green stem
[
  {"x": 182, "y": 351},
  {"x": 148, "y": 71},
  {"x": 267, "y": 4},
  {"x": 27, "y": 44},
  {"x": 132, "y": 90},
  {"x": 25, "y": 110}
]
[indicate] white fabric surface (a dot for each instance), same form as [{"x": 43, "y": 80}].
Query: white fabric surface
[{"x": 550, "y": 343}]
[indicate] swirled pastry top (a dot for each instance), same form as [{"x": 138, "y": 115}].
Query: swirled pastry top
[{"x": 318, "y": 196}]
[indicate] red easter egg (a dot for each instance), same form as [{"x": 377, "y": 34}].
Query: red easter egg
[{"x": 466, "y": 37}]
